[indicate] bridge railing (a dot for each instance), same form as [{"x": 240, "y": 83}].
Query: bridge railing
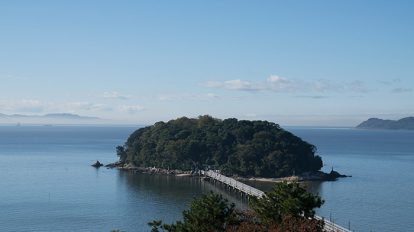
[
  {"x": 332, "y": 227},
  {"x": 234, "y": 183},
  {"x": 328, "y": 225}
]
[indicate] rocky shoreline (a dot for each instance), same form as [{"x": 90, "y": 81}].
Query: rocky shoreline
[
  {"x": 309, "y": 176},
  {"x": 149, "y": 170}
]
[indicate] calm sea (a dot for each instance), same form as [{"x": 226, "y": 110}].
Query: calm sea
[{"x": 47, "y": 184}]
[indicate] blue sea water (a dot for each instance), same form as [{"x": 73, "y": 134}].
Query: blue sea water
[
  {"x": 47, "y": 183},
  {"x": 380, "y": 194}
]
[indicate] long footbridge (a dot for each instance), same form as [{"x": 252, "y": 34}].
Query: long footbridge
[{"x": 250, "y": 191}]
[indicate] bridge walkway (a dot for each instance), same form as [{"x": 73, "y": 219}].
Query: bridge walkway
[{"x": 250, "y": 191}]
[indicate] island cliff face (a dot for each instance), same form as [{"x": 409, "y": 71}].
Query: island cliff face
[
  {"x": 376, "y": 123},
  {"x": 237, "y": 147}
]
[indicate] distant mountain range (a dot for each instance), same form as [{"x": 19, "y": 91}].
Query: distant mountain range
[
  {"x": 376, "y": 123},
  {"x": 57, "y": 115},
  {"x": 55, "y": 118}
]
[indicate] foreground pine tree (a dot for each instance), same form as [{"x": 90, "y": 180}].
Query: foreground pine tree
[{"x": 288, "y": 207}]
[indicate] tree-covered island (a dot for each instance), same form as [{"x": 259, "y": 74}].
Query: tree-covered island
[{"x": 236, "y": 147}]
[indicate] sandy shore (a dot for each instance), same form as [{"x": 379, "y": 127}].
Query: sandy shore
[{"x": 183, "y": 174}]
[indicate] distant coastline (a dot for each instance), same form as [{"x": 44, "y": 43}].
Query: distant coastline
[
  {"x": 48, "y": 119},
  {"x": 376, "y": 123}
]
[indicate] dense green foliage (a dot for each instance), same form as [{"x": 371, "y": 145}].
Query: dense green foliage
[
  {"x": 286, "y": 199},
  {"x": 287, "y": 208},
  {"x": 237, "y": 147},
  {"x": 288, "y": 224},
  {"x": 208, "y": 213}
]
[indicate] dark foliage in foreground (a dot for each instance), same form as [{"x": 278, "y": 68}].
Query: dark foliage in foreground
[
  {"x": 286, "y": 199},
  {"x": 288, "y": 208},
  {"x": 208, "y": 213},
  {"x": 237, "y": 147},
  {"x": 288, "y": 224}
]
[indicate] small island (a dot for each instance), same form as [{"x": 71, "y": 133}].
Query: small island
[
  {"x": 376, "y": 123},
  {"x": 238, "y": 148}
]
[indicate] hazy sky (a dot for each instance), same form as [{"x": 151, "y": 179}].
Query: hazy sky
[{"x": 292, "y": 62}]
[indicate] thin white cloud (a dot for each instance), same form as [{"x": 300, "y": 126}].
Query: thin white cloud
[
  {"x": 279, "y": 84},
  {"x": 188, "y": 96},
  {"x": 251, "y": 115},
  {"x": 23, "y": 106},
  {"x": 86, "y": 106},
  {"x": 313, "y": 96},
  {"x": 233, "y": 85},
  {"x": 390, "y": 81},
  {"x": 401, "y": 90},
  {"x": 115, "y": 95},
  {"x": 323, "y": 85},
  {"x": 167, "y": 97},
  {"x": 29, "y": 105},
  {"x": 11, "y": 77},
  {"x": 131, "y": 109},
  {"x": 357, "y": 87},
  {"x": 395, "y": 86},
  {"x": 37, "y": 106},
  {"x": 212, "y": 95}
]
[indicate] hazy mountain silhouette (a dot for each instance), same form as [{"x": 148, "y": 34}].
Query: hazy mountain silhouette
[
  {"x": 52, "y": 118},
  {"x": 376, "y": 123}
]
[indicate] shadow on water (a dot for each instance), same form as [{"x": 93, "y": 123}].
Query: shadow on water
[
  {"x": 145, "y": 197},
  {"x": 185, "y": 188},
  {"x": 174, "y": 188},
  {"x": 313, "y": 187}
]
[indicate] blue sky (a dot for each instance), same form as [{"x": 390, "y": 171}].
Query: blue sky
[{"x": 331, "y": 63}]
